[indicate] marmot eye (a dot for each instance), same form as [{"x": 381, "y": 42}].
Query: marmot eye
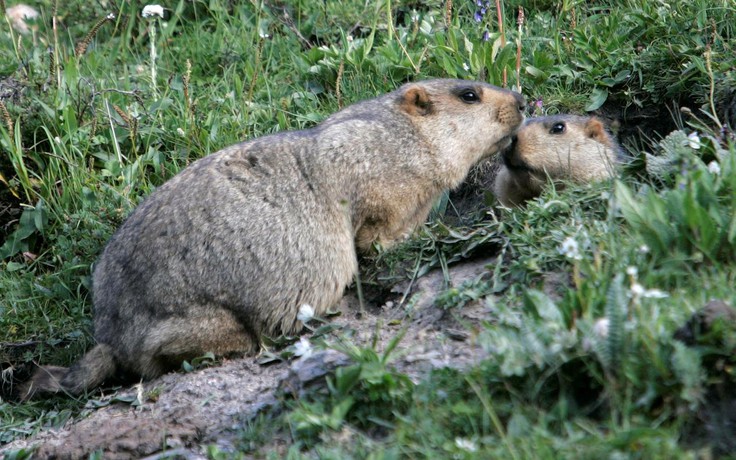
[
  {"x": 557, "y": 128},
  {"x": 469, "y": 96}
]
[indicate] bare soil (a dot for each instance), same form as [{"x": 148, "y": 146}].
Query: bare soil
[{"x": 190, "y": 411}]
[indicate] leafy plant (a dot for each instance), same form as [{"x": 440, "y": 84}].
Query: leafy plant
[
  {"x": 693, "y": 221},
  {"x": 368, "y": 393}
]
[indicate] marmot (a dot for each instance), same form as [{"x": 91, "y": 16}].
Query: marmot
[
  {"x": 560, "y": 147},
  {"x": 230, "y": 248}
]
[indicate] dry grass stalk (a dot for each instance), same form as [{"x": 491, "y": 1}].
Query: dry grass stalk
[
  {"x": 8, "y": 119},
  {"x": 520, "y": 22},
  {"x": 84, "y": 44},
  {"x": 499, "y": 15}
]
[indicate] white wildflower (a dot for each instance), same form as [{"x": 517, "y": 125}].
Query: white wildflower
[
  {"x": 466, "y": 67},
  {"x": 694, "y": 140},
  {"x": 637, "y": 290},
  {"x": 153, "y": 10},
  {"x": 714, "y": 167},
  {"x": 632, "y": 271},
  {"x": 466, "y": 444},
  {"x": 655, "y": 294},
  {"x": 303, "y": 348},
  {"x": 569, "y": 248},
  {"x": 110, "y": 17},
  {"x": 306, "y": 313},
  {"x": 18, "y": 15},
  {"x": 57, "y": 139},
  {"x": 601, "y": 327},
  {"x": 138, "y": 395},
  {"x": 181, "y": 132},
  {"x": 644, "y": 249},
  {"x": 263, "y": 34}
]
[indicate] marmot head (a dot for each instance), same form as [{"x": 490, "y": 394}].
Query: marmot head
[
  {"x": 561, "y": 148},
  {"x": 463, "y": 121}
]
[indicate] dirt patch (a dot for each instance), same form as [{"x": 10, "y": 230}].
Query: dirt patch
[{"x": 188, "y": 411}]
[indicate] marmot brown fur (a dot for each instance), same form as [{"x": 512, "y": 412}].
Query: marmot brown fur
[
  {"x": 561, "y": 148},
  {"x": 229, "y": 249}
]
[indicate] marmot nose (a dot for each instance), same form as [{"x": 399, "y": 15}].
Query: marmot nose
[{"x": 520, "y": 102}]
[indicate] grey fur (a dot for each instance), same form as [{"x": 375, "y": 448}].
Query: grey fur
[{"x": 230, "y": 248}]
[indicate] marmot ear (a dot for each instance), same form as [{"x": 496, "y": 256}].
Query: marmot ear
[
  {"x": 415, "y": 101},
  {"x": 594, "y": 129}
]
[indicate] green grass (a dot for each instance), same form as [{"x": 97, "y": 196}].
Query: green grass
[{"x": 93, "y": 134}]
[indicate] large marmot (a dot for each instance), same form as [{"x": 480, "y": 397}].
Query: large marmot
[
  {"x": 561, "y": 148},
  {"x": 230, "y": 248}
]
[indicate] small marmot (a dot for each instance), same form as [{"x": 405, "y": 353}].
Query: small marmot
[
  {"x": 561, "y": 148},
  {"x": 229, "y": 249}
]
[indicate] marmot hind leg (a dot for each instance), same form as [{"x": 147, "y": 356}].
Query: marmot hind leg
[{"x": 177, "y": 339}]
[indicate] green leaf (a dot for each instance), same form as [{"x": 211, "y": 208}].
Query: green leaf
[
  {"x": 337, "y": 416},
  {"x": 597, "y": 98},
  {"x": 535, "y": 72},
  {"x": 539, "y": 304},
  {"x": 347, "y": 377},
  {"x": 610, "y": 348}
]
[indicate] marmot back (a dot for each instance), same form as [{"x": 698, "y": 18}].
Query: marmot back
[
  {"x": 561, "y": 148},
  {"x": 229, "y": 249}
]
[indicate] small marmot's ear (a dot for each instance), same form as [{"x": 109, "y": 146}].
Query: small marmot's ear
[
  {"x": 415, "y": 101},
  {"x": 594, "y": 129}
]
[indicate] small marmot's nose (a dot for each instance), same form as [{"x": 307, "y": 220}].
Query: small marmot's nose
[{"x": 520, "y": 102}]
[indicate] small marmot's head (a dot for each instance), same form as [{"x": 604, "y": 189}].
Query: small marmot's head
[
  {"x": 461, "y": 121},
  {"x": 560, "y": 147}
]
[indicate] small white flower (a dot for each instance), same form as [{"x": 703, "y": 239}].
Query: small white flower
[
  {"x": 637, "y": 290},
  {"x": 714, "y": 167},
  {"x": 644, "y": 249},
  {"x": 181, "y": 132},
  {"x": 153, "y": 10},
  {"x": 138, "y": 395},
  {"x": 306, "y": 313},
  {"x": 694, "y": 140},
  {"x": 466, "y": 444},
  {"x": 569, "y": 248},
  {"x": 466, "y": 67},
  {"x": 632, "y": 271},
  {"x": 57, "y": 139},
  {"x": 110, "y": 17},
  {"x": 303, "y": 348},
  {"x": 655, "y": 294},
  {"x": 601, "y": 327}
]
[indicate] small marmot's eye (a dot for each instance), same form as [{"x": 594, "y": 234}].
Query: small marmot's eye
[
  {"x": 557, "y": 128},
  {"x": 469, "y": 96}
]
